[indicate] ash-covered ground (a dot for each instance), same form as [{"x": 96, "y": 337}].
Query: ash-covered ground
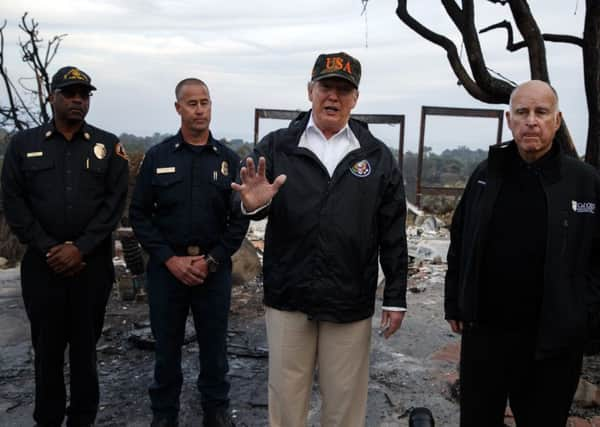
[
  {"x": 416, "y": 367},
  {"x": 403, "y": 372}
]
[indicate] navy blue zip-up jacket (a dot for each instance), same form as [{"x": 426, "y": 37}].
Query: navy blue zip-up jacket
[
  {"x": 324, "y": 234},
  {"x": 571, "y": 289},
  {"x": 183, "y": 197}
]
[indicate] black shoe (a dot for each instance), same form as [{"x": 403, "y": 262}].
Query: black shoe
[
  {"x": 217, "y": 418},
  {"x": 164, "y": 422},
  {"x": 421, "y": 417}
]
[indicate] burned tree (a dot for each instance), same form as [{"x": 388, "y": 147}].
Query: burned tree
[
  {"x": 481, "y": 84},
  {"x": 26, "y": 102},
  {"x": 27, "y": 97}
]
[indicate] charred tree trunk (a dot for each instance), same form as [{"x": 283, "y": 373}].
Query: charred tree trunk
[
  {"x": 538, "y": 65},
  {"x": 563, "y": 137},
  {"x": 479, "y": 82},
  {"x": 528, "y": 27},
  {"x": 591, "y": 72}
]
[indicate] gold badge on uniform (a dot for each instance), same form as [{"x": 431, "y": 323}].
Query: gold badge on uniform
[
  {"x": 225, "y": 168},
  {"x": 99, "y": 150}
]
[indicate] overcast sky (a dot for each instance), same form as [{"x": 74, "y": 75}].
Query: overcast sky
[{"x": 259, "y": 54}]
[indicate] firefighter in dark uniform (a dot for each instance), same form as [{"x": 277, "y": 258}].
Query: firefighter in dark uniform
[
  {"x": 64, "y": 186},
  {"x": 183, "y": 214}
]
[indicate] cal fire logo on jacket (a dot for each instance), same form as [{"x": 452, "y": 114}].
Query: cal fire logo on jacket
[{"x": 583, "y": 207}]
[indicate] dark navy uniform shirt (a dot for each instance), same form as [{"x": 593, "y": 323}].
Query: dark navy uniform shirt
[
  {"x": 183, "y": 197},
  {"x": 56, "y": 190}
]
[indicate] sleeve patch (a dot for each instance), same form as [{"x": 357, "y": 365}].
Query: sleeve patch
[{"x": 120, "y": 151}]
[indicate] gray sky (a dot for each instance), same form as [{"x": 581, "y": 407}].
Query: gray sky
[{"x": 260, "y": 53}]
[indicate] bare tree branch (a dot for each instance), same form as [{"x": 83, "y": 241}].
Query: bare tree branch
[
  {"x": 452, "y": 53},
  {"x": 28, "y": 103},
  {"x": 536, "y": 49},
  {"x": 591, "y": 70},
  {"x": 31, "y": 55},
  {"x": 512, "y": 47},
  {"x": 10, "y": 113},
  {"x": 454, "y": 12},
  {"x": 482, "y": 86},
  {"x": 498, "y": 88},
  {"x": 23, "y": 106},
  {"x": 538, "y": 67},
  {"x": 563, "y": 38}
]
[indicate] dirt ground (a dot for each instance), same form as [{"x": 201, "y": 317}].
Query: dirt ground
[{"x": 416, "y": 367}]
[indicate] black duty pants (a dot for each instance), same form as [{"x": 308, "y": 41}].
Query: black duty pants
[
  {"x": 497, "y": 365},
  {"x": 65, "y": 311},
  {"x": 170, "y": 303}
]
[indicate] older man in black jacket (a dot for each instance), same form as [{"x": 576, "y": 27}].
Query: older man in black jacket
[
  {"x": 523, "y": 271},
  {"x": 342, "y": 205}
]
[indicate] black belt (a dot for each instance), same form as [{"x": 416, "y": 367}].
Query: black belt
[{"x": 191, "y": 250}]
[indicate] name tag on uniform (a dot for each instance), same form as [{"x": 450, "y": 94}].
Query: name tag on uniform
[
  {"x": 35, "y": 154},
  {"x": 165, "y": 170}
]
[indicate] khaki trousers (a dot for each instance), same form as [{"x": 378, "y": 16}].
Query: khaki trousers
[{"x": 340, "y": 350}]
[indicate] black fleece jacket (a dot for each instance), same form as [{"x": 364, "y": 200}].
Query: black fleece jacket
[{"x": 571, "y": 276}]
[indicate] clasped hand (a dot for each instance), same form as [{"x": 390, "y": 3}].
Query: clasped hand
[
  {"x": 65, "y": 259},
  {"x": 190, "y": 270}
]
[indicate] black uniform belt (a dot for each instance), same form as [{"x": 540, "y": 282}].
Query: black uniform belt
[{"x": 191, "y": 250}]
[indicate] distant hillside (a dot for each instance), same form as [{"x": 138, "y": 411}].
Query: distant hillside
[
  {"x": 451, "y": 168},
  {"x": 134, "y": 143},
  {"x": 141, "y": 144}
]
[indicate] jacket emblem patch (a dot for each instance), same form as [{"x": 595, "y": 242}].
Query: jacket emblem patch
[
  {"x": 583, "y": 207},
  {"x": 361, "y": 169},
  {"x": 120, "y": 151}
]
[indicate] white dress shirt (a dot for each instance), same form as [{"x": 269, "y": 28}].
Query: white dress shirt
[{"x": 329, "y": 151}]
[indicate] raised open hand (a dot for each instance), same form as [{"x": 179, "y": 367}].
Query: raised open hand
[{"x": 255, "y": 190}]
